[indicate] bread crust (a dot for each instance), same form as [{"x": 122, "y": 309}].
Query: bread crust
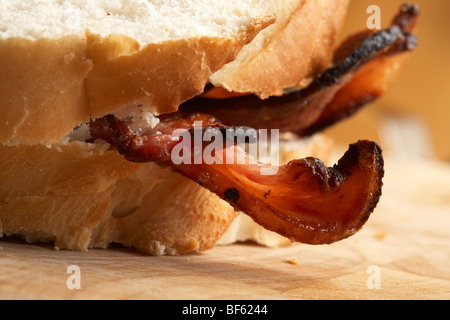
[
  {"x": 160, "y": 76},
  {"x": 295, "y": 50},
  {"x": 42, "y": 88},
  {"x": 50, "y": 86},
  {"x": 81, "y": 196}
]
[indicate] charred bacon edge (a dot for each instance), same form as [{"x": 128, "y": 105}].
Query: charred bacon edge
[
  {"x": 356, "y": 94},
  {"x": 363, "y": 155},
  {"x": 298, "y": 110},
  {"x": 272, "y": 112}
]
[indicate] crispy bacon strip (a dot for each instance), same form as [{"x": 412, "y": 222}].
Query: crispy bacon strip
[
  {"x": 363, "y": 67},
  {"x": 304, "y": 201},
  {"x": 373, "y": 79}
]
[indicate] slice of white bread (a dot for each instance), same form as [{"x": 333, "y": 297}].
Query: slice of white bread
[
  {"x": 80, "y": 195},
  {"x": 64, "y": 62}
]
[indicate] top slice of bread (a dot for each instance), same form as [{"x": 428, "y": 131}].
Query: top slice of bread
[{"x": 64, "y": 62}]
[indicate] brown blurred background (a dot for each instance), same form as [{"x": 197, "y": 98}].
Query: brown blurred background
[{"x": 413, "y": 119}]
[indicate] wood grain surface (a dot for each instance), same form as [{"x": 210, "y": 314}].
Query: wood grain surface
[{"x": 405, "y": 248}]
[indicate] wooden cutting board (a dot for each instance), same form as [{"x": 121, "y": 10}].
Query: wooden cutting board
[{"x": 403, "y": 252}]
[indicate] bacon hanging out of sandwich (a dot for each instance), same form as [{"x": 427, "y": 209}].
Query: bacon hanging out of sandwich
[
  {"x": 305, "y": 200},
  {"x": 363, "y": 67}
]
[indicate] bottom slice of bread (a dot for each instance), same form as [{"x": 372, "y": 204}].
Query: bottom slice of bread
[{"x": 79, "y": 195}]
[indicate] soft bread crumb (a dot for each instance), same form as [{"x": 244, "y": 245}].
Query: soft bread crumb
[
  {"x": 80, "y": 133},
  {"x": 139, "y": 117},
  {"x": 167, "y": 20}
]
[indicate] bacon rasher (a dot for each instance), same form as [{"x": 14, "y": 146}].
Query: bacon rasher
[
  {"x": 364, "y": 66},
  {"x": 303, "y": 200}
]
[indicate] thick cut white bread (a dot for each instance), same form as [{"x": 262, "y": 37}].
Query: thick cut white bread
[
  {"x": 80, "y": 195},
  {"x": 55, "y": 74},
  {"x": 290, "y": 52}
]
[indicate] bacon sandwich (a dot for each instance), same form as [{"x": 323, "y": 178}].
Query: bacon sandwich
[{"x": 91, "y": 93}]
